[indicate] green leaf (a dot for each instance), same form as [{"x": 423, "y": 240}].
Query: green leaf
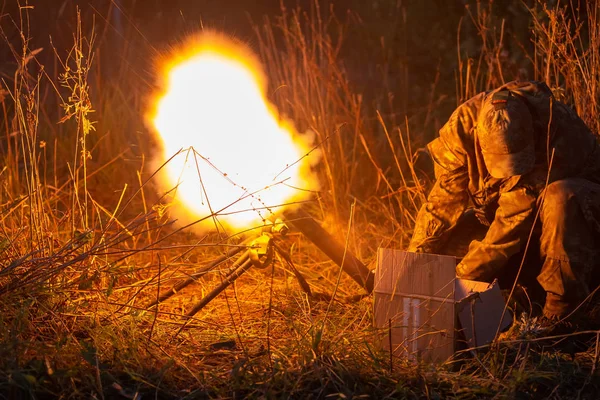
[
  {"x": 4, "y": 243},
  {"x": 83, "y": 237},
  {"x": 85, "y": 282},
  {"x": 30, "y": 379},
  {"x": 317, "y": 340},
  {"x": 89, "y": 352},
  {"x": 111, "y": 285}
]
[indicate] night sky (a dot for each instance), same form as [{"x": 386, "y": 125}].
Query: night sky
[{"x": 416, "y": 33}]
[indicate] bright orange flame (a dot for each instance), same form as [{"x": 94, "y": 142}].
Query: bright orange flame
[{"x": 240, "y": 160}]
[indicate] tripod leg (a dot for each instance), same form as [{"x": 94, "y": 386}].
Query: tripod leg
[
  {"x": 286, "y": 256},
  {"x": 246, "y": 263},
  {"x": 193, "y": 277},
  {"x": 243, "y": 264}
]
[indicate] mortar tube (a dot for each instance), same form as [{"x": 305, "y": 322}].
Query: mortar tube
[{"x": 314, "y": 232}]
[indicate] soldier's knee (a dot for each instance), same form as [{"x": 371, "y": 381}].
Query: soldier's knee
[
  {"x": 560, "y": 192},
  {"x": 559, "y": 198}
]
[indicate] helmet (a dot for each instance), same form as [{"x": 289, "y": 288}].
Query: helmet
[{"x": 505, "y": 134}]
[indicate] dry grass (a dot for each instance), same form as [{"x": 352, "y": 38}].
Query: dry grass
[{"x": 84, "y": 247}]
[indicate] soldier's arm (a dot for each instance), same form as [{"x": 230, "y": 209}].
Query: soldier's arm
[
  {"x": 437, "y": 217},
  {"x": 506, "y": 236},
  {"x": 449, "y": 196}
]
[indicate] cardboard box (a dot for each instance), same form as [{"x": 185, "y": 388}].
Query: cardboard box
[{"x": 418, "y": 303}]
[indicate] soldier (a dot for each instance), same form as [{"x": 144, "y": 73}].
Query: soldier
[{"x": 530, "y": 168}]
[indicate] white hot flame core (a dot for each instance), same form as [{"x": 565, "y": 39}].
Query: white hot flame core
[{"x": 240, "y": 160}]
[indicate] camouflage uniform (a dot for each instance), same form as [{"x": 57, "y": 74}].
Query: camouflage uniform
[{"x": 563, "y": 201}]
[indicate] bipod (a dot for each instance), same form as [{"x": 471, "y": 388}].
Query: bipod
[
  {"x": 259, "y": 254},
  {"x": 194, "y": 277}
]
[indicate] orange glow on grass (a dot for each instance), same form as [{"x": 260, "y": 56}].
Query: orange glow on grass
[{"x": 240, "y": 160}]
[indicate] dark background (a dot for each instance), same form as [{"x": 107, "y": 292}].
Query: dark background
[
  {"x": 402, "y": 47},
  {"x": 404, "y": 59}
]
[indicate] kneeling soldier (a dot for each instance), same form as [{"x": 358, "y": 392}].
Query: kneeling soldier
[{"x": 530, "y": 167}]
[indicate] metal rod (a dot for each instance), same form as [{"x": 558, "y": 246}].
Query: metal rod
[
  {"x": 286, "y": 256},
  {"x": 313, "y": 231},
  {"x": 246, "y": 263},
  {"x": 181, "y": 285}
]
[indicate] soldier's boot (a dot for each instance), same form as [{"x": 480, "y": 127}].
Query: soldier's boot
[{"x": 556, "y": 307}]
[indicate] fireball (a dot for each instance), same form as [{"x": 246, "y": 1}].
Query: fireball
[{"x": 227, "y": 156}]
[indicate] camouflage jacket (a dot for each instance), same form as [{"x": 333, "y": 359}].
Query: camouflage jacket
[{"x": 562, "y": 141}]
